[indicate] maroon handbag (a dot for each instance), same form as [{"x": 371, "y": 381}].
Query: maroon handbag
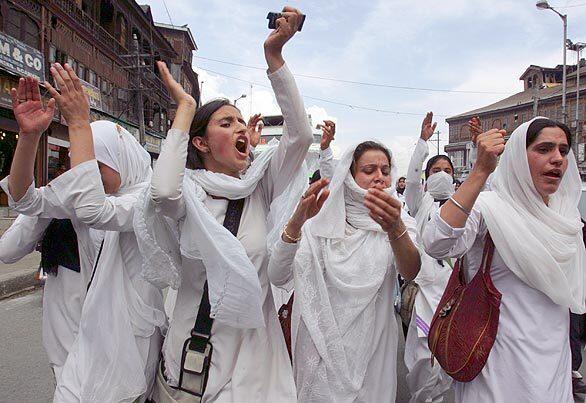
[
  {"x": 466, "y": 320},
  {"x": 285, "y": 320}
]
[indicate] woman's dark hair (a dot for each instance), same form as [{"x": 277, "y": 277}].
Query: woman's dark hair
[
  {"x": 538, "y": 125},
  {"x": 432, "y": 162},
  {"x": 367, "y": 146},
  {"x": 198, "y": 129}
]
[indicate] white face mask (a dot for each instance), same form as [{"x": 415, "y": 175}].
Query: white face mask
[{"x": 440, "y": 185}]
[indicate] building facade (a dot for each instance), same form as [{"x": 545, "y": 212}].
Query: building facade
[
  {"x": 541, "y": 96},
  {"x": 273, "y": 130},
  {"x": 112, "y": 45}
]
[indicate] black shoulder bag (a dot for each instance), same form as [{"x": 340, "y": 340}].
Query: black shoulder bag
[{"x": 197, "y": 349}]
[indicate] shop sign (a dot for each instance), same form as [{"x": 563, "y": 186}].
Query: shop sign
[
  {"x": 153, "y": 144},
  {"x": 21, "y": 59},
  {"x": 93, "y": 93}
]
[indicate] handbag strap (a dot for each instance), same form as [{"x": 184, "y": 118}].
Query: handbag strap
[
  {"x": 487, "y": 254},
  {"x": 203, "y": 322}
]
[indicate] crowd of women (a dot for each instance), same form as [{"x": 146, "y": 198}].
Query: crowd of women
[{"x": 226, "y": 230}]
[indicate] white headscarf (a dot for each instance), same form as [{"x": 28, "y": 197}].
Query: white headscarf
[
  {"x": 338, "y": 276},
  {"x": 105, "y": 364},
  {"x": 542, "y": 244},
  {"x": 233, "y": 283},
  {"x": 115, "y": 147}
]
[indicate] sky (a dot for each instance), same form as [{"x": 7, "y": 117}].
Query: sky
[{"x": 476, "y": 49}]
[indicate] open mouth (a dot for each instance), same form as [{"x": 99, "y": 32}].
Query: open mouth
[
  {"x": 554, "y": 174},
  {"x": 242, "y": 145}
]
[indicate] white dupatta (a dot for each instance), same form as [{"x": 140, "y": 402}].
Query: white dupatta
[
  {"x": 233, "y": 284},
  {"x": 338, "y": 276},
  {"x": 105, "y": 363},
  {"x": 541, "y": 244}
]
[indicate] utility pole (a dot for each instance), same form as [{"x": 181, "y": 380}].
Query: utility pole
[
  {"x": 136, "y": 68},
  {"x": 139, "y": 64},
  {"x": 437, "y": 140}
]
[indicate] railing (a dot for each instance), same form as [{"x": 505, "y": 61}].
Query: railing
[{"x": 87, "y": 23}]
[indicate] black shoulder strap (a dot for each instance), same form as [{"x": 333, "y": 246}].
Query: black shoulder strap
[{"x": 203, "y": 322}]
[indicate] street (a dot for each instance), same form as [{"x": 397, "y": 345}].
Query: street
[
  {"x": 24, "y": 371},
  {"x": 25, "y": 374}
]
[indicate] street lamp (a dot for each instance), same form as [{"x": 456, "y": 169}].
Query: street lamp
[
  {"x": 544, "y": 5},
  {"x": 240, "y": 97}
]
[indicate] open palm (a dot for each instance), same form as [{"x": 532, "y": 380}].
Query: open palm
[
  {"x": 428, "y": 126},
  {"x": 28, "y": 108}
]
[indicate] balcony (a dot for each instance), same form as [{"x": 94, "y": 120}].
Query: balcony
[{"x": 85, "y": 22}]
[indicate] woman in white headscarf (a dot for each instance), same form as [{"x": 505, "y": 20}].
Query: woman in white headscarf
[
  {"x": 186, "y": 246},
  {"x": 344, "y": 332},
  {"x": 426, "y": 382},
  {"x": 114, "y": 356},
  {"x": 63, "y": 291},
  {"x": 531, "y": 214}
]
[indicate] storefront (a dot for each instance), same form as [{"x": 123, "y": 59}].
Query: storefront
[{"x": 16, "y": 59}]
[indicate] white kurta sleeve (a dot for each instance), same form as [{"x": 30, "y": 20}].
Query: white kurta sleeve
[
  {"x": 297, "y": 135},
  {"x": 37, "y": 202},
  {"x": 22, "y": 237},
  {"x": 442, "y": 241},
  {"x": 281, "y": 264},
  {"x": 81, "y": 191},
  {"x": 326, "y": 163},
  {"x": 413, "y": 188},
  {"x": 167, "y": 180}
]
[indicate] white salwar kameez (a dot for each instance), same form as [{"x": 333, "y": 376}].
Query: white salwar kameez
[
  {"x": 124, "y": 319},
  {"x": 538, "y": 267},
  {"x": 248, "y": 365},
  {"x": 426, "y": 383},
  {"x": 380, "y": 381},
  {"x": 530, "y": 361},
  {"x": 343, "y": 329},
  {"x": 63, "y": 293}
]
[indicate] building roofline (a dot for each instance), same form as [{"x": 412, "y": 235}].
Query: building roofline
[{"x": 183, "y": 28}]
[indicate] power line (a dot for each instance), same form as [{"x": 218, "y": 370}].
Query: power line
[
  {"x": 351, "y": 106},
  {"x": 398, "y": 87},
  {"x": 168, "y": 14}
]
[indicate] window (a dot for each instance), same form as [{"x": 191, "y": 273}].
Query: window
[
  {"x": 105, "y": 87},
  {"x": 81, "y": 71},
  {"x": 52, "y": 54},
  {"x": 92, "y": 78},
  {"x": 22, "y": 27},
  {"x": 122, "y": 30},
  {"x": 457, "y": 158}
]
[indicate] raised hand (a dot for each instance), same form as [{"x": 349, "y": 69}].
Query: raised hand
[
  {"x": 175, "y": 89},
  {"x": 254, "y": 129},
  {"x": 490, "y": 145},
  {"x": 385, "y": 210},
  {"x": 428, "y": 127},
  {"x": 72, "y": 101},
  {"x": 475, "y": 128},
  {"x": 328, "y": 132},
  {"x": 28, "y": 109},
  {"x": 286, "y": 27},
  {"x": 311, "y": 203}
]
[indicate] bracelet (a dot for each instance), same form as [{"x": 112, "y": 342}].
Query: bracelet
[
  {"x": 460, "y": 207},
  {"x": 399, "y": 237},
  {"x": 289, "y": 237}
]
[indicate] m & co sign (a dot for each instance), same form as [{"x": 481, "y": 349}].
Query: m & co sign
[{"x": 21, "y": 59}]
